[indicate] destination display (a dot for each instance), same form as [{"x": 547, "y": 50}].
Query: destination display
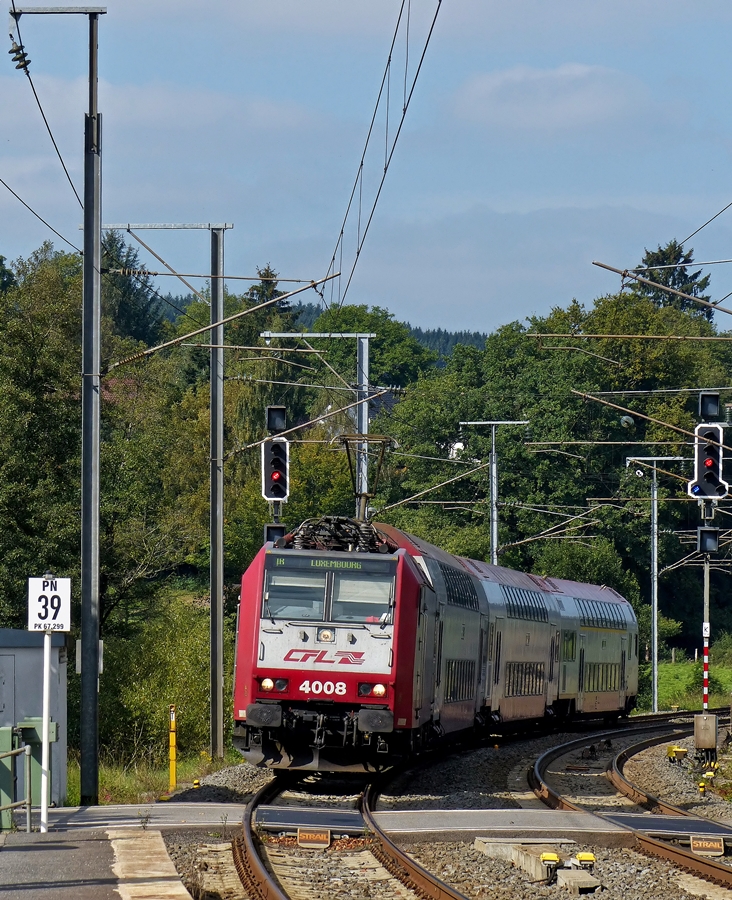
[{"x": 368, "y": 565}]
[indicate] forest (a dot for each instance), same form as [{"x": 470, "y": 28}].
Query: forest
[{"x": 570, "y": 505}]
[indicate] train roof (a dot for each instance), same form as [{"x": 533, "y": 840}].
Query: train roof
[{"x": 500, "y": 574}]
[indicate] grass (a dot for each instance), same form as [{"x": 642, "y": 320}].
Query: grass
[
  {"x": 676, "y": 685},
  {"x": 142, "y": 782}
]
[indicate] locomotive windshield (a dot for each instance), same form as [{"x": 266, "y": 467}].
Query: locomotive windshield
[{"x": 332, "y": 590}]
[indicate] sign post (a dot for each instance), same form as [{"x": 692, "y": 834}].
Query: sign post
[{"x": 49, "y": 610}]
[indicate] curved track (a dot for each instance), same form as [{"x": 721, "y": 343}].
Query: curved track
[
  {"x": 703, "y": 867},
  {"x": 375, "y": 857}
]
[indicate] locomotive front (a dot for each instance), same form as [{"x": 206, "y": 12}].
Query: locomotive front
[{"x": 314, "y": 685}]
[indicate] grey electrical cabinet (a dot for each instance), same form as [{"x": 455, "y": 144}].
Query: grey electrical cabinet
[{"x": 21, "y": 698}]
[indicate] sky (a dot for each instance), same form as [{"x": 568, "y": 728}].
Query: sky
[{"x": 539, "y": 137}]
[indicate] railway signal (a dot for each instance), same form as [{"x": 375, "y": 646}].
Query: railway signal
[
  {"x": 276, "y": 470},
  {"x": 708, "y": 481},
  {"x": 709, "y": 406}
]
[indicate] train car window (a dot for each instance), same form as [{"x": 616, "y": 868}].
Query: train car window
[
  {"x": 521, "y": 604},
  {"x": 569, "y": 645},
  {"x": 524, "y": 679},
  {"x": 360, "y": 598},
  {"x": 294, "y": 595},
  {"x": 459, "y": 587}
]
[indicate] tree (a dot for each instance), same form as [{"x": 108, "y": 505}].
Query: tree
[
  {"x": 7, "y": 279},
  {"x": 396, "y": 357},
  {"x": 40, "y": 361},
  {"x": 129, "y": 301},
  {"x": 679, "y": 278}
]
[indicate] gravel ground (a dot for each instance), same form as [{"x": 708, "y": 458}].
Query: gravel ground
[
  {"x": 678, "y": 783},
  {"x": 476, "y": 779},
  {"x": 624, "y": 874}
]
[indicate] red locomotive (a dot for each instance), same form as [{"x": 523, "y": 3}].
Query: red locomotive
[{"x": 359, "y": 644}]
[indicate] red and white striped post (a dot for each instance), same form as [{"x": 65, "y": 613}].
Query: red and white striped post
[{"x": 706, "y": 634}]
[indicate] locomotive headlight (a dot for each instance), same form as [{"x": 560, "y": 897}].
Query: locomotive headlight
[
  {"x": 371, "y": 690},
  {"x": 364, "y": 690},
  {"x": 281, "y": 684},
  {"x": 327, "y": 635},
  {"x": 379, "y": 690},
  {"x": 266, "y": 684}
]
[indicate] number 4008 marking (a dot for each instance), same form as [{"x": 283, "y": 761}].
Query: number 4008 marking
[{"x": 323, "y": 687}]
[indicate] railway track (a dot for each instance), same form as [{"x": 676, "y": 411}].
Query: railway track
[
  {"x": 702, "y": 867},
  {"x": 279, "y": 870}
]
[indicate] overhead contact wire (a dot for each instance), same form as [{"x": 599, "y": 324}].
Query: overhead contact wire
[
  {"x": 43, "y": 116},
  {"x": 391, "y": 153},
  {"x": 39, "y": 217}
]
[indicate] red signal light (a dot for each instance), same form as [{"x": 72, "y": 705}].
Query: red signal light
[
  {"x": 708, "y": 463},
  {"x": 275, "y": 476}
]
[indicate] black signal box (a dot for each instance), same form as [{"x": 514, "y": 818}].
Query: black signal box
[
  {"x": 707, "y": 539},
  {"x": 709, "y": 406},
  {"x": 276, "y": 419},
  {"x": 273, "y": 531}
]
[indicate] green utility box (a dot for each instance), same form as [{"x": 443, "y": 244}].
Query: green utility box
[
  {"x": 31, "y": 732},
  {"x": 7, "y": 780}
]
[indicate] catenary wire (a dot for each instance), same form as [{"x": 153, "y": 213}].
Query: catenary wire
[
  {"x": 339, "y": 242},
  {"x": 43, "y": 115},
  {"x": 391, "y": 156},
  {"x": 40, "y": 218},
  {"x": 708, "y": 222}
]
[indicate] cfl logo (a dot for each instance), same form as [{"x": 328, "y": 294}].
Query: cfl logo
[{"x": 343, "y": 657}]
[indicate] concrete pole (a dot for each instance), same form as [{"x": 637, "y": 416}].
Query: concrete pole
[
  {"x": 217, "y": 494},
  {"x": 494, "y": 498},
  {"x": 362, "y": 424},
  {"x": 654, "y": 588},
  {"x": 90, "y": 413}
]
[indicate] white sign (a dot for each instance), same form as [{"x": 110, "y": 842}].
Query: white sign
[
  {"x": 49, "y": 604},
  {"x": 706, "y": 632}
]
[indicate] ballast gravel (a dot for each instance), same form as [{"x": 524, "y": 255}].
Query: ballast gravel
[
  {"x": 624, "y": 874},
  {"x": 477, "y": 779}
]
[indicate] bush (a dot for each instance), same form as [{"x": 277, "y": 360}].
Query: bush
[{"x": 166, "y": 662}]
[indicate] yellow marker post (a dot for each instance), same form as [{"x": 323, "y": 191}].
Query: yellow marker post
[{"x": 172, "y": 753}]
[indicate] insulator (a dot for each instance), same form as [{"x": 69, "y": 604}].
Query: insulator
[{"x": 19, "y": 56}]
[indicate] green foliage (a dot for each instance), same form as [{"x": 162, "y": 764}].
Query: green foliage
[
  {"x": 443, "y": 342},
  {"x": 668, "y": 266},
  {"x": 166, "y": 662},
  {"x": 395, "y": 356},
  {"x": 7, "y": 279},
  {"x": 569, "y": 506},
  {"x": 39, "y": 425},
  {"x": 129, "y": 302}
]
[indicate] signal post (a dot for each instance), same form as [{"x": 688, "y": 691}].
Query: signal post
[{"x": 708, "y": 486}]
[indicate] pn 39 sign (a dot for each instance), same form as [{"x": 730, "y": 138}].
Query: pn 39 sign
[{"x": 49, "y": 604}]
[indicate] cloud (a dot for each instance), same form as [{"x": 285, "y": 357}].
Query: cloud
[{"x": 566, "y": 99}]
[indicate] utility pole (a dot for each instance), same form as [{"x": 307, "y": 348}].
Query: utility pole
[
  {"x": 90, "y": 406},
  {"x": 216, "y": 420},
  {"x": 494, "y": 479},
  {"x": 654, "y": 562},
  {"x": 361, "y": 391},
  {"x": 217, "y": 494}
]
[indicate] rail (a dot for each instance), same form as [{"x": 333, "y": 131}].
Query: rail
[
  {"x": 398, "y": 863},
  {"x": 258, "y": 881},
  {"x": 26, "y": 751},
  {"x": 702, "y": 867}
]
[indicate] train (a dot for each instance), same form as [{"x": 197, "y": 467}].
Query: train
[{"x": 359, "y": 645}]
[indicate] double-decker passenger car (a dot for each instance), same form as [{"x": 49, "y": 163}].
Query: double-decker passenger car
[{"x": 358, "y": 644}]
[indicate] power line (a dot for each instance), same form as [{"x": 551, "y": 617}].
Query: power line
[
  {"x": 388, "y": 155},
  {"x": 40, "y": 218},
  {"x": 43, "y": 115},
  {"x": 705, "y": 224}
]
